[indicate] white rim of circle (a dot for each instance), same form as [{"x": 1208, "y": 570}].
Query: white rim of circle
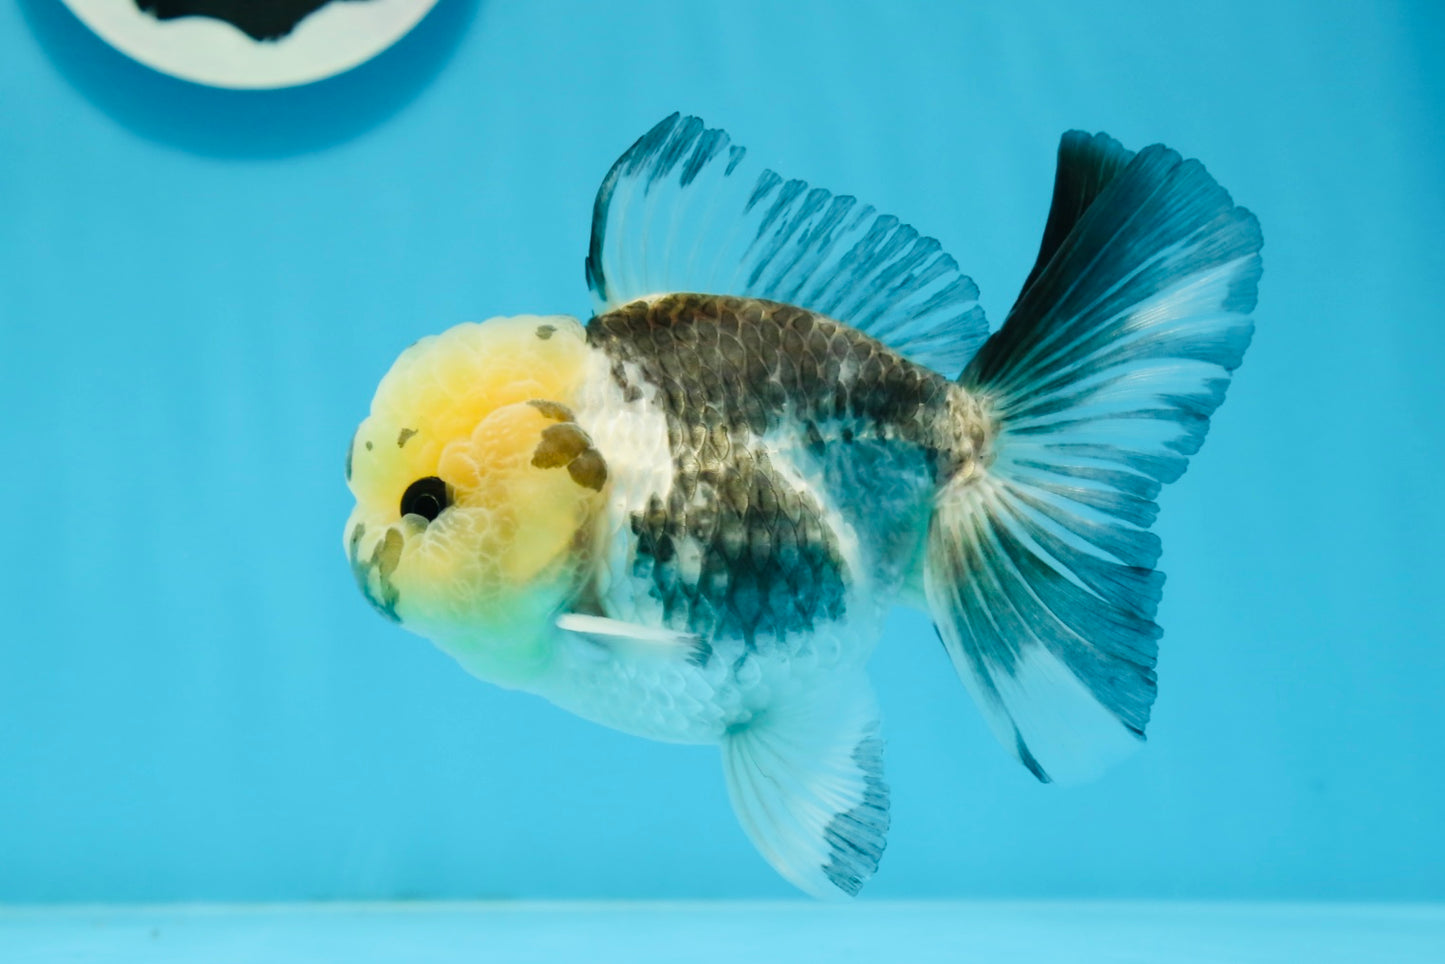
[{"x": 339, "y": 36}]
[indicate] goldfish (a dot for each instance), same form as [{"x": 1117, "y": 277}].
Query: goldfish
[{"x": 687, "y": 518}]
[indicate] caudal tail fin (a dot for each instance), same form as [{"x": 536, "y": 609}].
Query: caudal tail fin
[{"x": 1040, "y": 570}]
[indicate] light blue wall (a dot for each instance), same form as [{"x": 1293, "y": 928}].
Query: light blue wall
[{"x": 199, "y": 291}]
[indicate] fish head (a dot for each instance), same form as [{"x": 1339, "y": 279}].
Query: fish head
[{"x": 477, "y": 494}]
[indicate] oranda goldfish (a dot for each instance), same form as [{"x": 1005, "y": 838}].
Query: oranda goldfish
[{"x": 687, "y": 517}]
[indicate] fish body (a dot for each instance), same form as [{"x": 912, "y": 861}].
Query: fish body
[
  {"x": 773, "y": 472},
  {"x": 687, "y": 518}
]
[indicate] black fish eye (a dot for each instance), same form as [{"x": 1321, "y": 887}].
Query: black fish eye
[{"x": 426, "y": 497}]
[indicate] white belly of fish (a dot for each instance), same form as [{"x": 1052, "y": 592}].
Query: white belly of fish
[{"x": 677, "y": 701}]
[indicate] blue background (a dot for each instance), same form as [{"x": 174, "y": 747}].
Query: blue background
[{"x": 200, "y": 290}]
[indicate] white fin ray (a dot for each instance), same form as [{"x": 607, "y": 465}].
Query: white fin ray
[
  {"x": 632, "y": 639},
  {"x": 681, "y": 210},
  {"x": 806, "y": 780}
]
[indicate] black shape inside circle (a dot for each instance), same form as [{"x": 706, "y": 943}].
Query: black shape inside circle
[
  {"x": 426, "y": 497},
  {"x": 258, "y": 19}
]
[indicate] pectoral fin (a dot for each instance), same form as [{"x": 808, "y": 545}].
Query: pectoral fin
[{"x": 633, "y": 639}]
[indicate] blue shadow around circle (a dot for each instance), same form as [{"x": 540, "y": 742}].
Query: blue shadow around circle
[{"x": 247, "y": 123}]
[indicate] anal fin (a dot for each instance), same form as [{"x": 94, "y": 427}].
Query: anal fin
[{"x": 806, "y": 781}]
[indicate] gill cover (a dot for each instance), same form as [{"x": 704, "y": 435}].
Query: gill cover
[{"x": 476, "y": 489}]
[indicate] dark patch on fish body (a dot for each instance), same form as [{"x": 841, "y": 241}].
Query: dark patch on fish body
[
  {"x": 350, "y": 448},
  {"x": 560, "y": 444},
  {"x": 384, "y": 558},
  {"x": 726, "y": 372},
  {"x": 754, "y": 363},
  {"x": 387, "y": 555},
  {"x": 588, "y": 470},
  {"x": 404, "y": 436},
  {"x": 545, "y": 332},
  {"x": 552, "y": 410},
  {"x": 566, "y": 444}
]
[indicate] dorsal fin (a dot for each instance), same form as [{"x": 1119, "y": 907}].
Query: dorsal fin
[
  {"x": 682, "y": 211},
  {"x": 1087, "y": 163}
]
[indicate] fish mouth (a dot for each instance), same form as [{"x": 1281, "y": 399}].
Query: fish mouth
[{"x": 373, "y": 574}]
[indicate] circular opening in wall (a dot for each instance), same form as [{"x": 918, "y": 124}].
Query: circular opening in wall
[{"x": 251, "y": 44}]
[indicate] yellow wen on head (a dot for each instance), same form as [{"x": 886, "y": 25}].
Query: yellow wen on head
[{"x": 475, "y": 490}]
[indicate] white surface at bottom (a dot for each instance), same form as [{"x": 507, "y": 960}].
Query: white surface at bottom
[{"x": 917, "y": 933}]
